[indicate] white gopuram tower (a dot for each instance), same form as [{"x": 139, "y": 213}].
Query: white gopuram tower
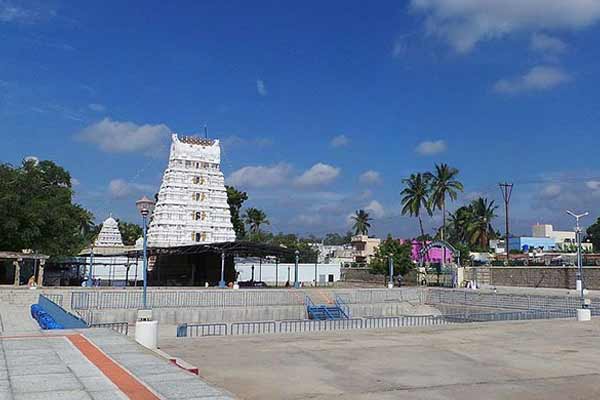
[
  {"x": 109, "y": 235},
  {"x": 192, "y": 201}
]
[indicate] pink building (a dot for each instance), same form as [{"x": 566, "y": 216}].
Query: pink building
[{"x": 433, "y": 256}]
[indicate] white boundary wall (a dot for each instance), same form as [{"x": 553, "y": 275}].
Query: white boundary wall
[{"x": 265, "y": 272}]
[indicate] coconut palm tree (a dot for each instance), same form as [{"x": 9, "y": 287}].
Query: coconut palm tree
[
  {"x": 254, "y": 218},
  {"x": 416, "y": 198},
  {"x": 480, "y": 228},
  {"x": 443, "y": 184},
  {"x": 361, "y": 222}
]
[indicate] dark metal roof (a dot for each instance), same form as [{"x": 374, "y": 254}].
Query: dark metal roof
[{"x": 238, "y": 248}]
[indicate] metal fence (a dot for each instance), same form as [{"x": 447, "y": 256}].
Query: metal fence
[
  {"x": 507, "y": 301},
  {"x": 120, "y": 327},
  {"x": 404, "y": 321},
  {"x": 253, "y": 328},
  {"x": 218, "y": 329},
  {"x": 56, "y": 298},
  {"x": 132, "y": 299}
]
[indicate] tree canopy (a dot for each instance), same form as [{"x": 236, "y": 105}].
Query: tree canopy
[
  {"x": 400, "y": 253},
  {"x": 361, "y": 222},
  {"x": 37, "y": 210},
  {"x": 236, "y": 199},
  {"x": 593, "y": 234},
  {"x": 130, "y": 232}
]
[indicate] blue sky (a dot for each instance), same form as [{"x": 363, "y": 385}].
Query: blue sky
[{"x": 322, "y": 107}]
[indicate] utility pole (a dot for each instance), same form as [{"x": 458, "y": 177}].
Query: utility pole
[{"x": 506, "y": 189}]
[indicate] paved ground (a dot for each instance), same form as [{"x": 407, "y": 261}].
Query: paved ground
[
  {"x": 515, "y": 360},
  {"x": 86, "y": 364}
]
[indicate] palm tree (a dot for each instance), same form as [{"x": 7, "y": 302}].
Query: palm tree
[
  {"x": 480, "y": 227},
  {"x": 361, "y": 222},
  {"x": 416, "y": 197},
  {"x": 443, "y": 183},
  {"x": 254, "y": 218}
]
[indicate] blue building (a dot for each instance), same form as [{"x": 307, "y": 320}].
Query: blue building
[{"x": 526, "y": 243}]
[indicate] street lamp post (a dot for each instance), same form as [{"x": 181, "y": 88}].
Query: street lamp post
[
  {"x": 296, "y": 282},
  {"x": 391, "y": 267},
  {"x": 145, "y": 207},
  {"x": 584, "y": 313},
  {"x": 90, "y": 281},
  {"x": 316, "y": 266},
  {"x": 146, "y": 329},
  {"x": 222, "y": 281}
]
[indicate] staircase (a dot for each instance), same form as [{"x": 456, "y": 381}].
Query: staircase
[{"x": 327, "y": 311}]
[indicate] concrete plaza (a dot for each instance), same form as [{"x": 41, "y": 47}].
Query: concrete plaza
[{"x": 556, "y": 359}]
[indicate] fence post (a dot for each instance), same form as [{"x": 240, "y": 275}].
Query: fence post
[{"x": 182, "y": 330}]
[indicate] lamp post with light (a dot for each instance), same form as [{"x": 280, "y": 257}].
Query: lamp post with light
[
  {"x": 296, "y": 282},
  {"x": 145, "y": 207},
  {"x": 584, "y": 313}
]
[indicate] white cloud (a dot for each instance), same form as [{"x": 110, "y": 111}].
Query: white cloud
[
  {"x": 550, "y": 191},
  {"x": 75, "y": 182},
  {"x": 593, "y": 185},
  {"x": 97, "y": 107},
  {"x": 124, "y": 137},
  {"x": 33, "y": 159},
  {"x": 318, "y": 174},
  {"x": 399, "y": 48},
  {"x": 13, "y": 13},
  {"x": 370, "y": 177},
  {"x": 339, "y": 141},
  {"x": 538, "y": 78},
  {"x": 260, "y": 87},
  {"x": 430, "y": 148},
  {"x": 375, "y": 209},
  {"x": 307, "y": 220},
  {"x": 120, "y": 188},
  {"x": 547, "y": 44},
  {"x": 464, "y": 23},
  {"x": 260, "y": 176}
]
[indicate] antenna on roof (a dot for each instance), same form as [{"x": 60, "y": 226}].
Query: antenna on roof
[{"x": 205, "y": 131}]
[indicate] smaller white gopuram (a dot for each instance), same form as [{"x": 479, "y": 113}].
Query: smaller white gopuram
[
  {"x": 192, "y": 201},
  {"x": 109, "y": 235}
]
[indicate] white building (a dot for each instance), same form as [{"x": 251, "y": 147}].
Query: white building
[
  {"x": 192, "y": 200},
  {"x": 109, "y": 264},
  {"x": 334, "y": 254},
  {"x": 565, "y": 240},
  {"x": 109, "y": 235},
  {"x": 272, "y": 273}
]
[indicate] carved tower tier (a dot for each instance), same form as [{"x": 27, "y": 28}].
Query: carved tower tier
[{"x": 192, "y": 201}]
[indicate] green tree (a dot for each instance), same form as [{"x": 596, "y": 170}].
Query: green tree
[
  {"x": 443, "y": 184},
  {"x": 593, "y": 234},
  {"x": 130, "y": 232},
  {"x": 361, "y": 222},
  {"x": 307, "y": 254},
  {"x": 400, "y": 253},
  {"x": 37, "y": 211},
  {"x": 415, "y": 197},
  {"x": 479, "y": 228},
  {"x": 236, "y": 199},
  {"x": 335, "y": 239},
  {"x": 254, "y": 218}
]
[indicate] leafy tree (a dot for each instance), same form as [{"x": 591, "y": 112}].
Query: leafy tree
[
  {"x": 480, "y": 227},
  {"x": 401, "y": 254},
  {"x": 254, "y": 218},
  {"x": 236, "y": 199},
  {"x": 443, "y": 184},
  {"x": 37, "y": 211},
  {"x": 361, "y": 222},
  {"x": 307, "y": 254},
  {"x": 130, "y": 232},
  {"x": 593, "y": 234},
  {"x": 335, "y": 239},
  {"x": 415, "y": 197}
]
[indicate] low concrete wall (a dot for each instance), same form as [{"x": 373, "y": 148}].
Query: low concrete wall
[
  {"x": 547, "y": 277},
  {"x": 173, "y": 316}
]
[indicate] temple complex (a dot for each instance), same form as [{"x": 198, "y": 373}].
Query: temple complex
[
  {"x": 109, "y": 235},
  {"x": 192, "y": 201}
]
